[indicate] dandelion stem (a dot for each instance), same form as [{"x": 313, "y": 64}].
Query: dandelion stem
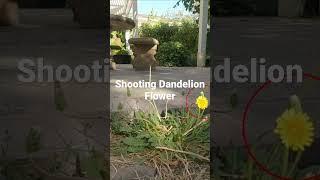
[
  {"x": 191, "y": 129},
  {"x": 298, "y": 157},
  {"x": 250, "y": 169},
  {"x": 202, "y": 114},
  {"x": 285, "y": 161},
  {"x": 274, "y": 153}
]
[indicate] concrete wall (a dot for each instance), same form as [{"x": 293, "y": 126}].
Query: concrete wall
[
  {"x": 288, "y": 8},
  {"x": 294, "y": 8}
]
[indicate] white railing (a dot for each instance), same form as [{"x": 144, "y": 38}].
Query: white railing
[{"x": 127, "y": 8}]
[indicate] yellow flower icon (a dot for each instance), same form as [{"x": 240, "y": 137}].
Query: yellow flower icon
[
  {"x": 295, "y": 129},
  {"x": 202, "y": 101}
]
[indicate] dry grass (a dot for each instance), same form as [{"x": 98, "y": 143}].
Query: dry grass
[{"x": 182, "y": 168}]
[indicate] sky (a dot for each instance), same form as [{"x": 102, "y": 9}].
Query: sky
[{"x": 160, "y": 7}]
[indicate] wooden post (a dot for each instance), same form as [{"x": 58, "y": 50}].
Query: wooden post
[{"x": 203, "y": 25}]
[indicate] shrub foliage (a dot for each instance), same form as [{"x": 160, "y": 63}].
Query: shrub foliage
[
  {"x": 178, "y": 41},
  {"x": 173, "y": 53}
]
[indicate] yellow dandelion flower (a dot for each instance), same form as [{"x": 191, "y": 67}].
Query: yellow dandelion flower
[
  {"x": 202, "y": 101},
  {"x": 295, "y": 129}
]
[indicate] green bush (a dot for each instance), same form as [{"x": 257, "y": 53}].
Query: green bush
[
  {"x": 185, "y": 32},
  {"x": 174, "y": 54},
  {"x": 178, "y": 41},
  {"x": 188, "y": 35},
  {"x": 162, "y": 31}
]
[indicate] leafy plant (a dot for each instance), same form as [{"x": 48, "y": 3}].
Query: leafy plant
[
  {"x": 187, "y": 35},
  {"x": 192, "y": 6},
  {"x": 116, "y": 43},
  {"x": 119, "y": 34},
  {"x": 94, "y": 165},
  {"x": 5, "y": 139},
  {"x": 174, "y": 54},
  {"x": 33, "y": 140},
  {"x": 175, "y": 133},
  {"x": 123, "y": 52},
  {"x": 120, "y": 124},
  {"x": 128, "y": 92},
  {"x": 59, "y": 97},
  {"x": 184, "y": 31},
  {"x": 161, "y": 31},
  {"x": 135, "y": 144},
  {"x": 178, "y": 41},
  {"x": 222, "y": 7}
]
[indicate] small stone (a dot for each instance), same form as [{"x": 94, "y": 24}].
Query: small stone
[
  {"x": 135, "y": 172},
  {"x": 113, "y": 65}
]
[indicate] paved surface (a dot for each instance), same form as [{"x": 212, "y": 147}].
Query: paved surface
[
  {"x": 50, "y": 34},
  {"x": 279, "y": 40}
]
